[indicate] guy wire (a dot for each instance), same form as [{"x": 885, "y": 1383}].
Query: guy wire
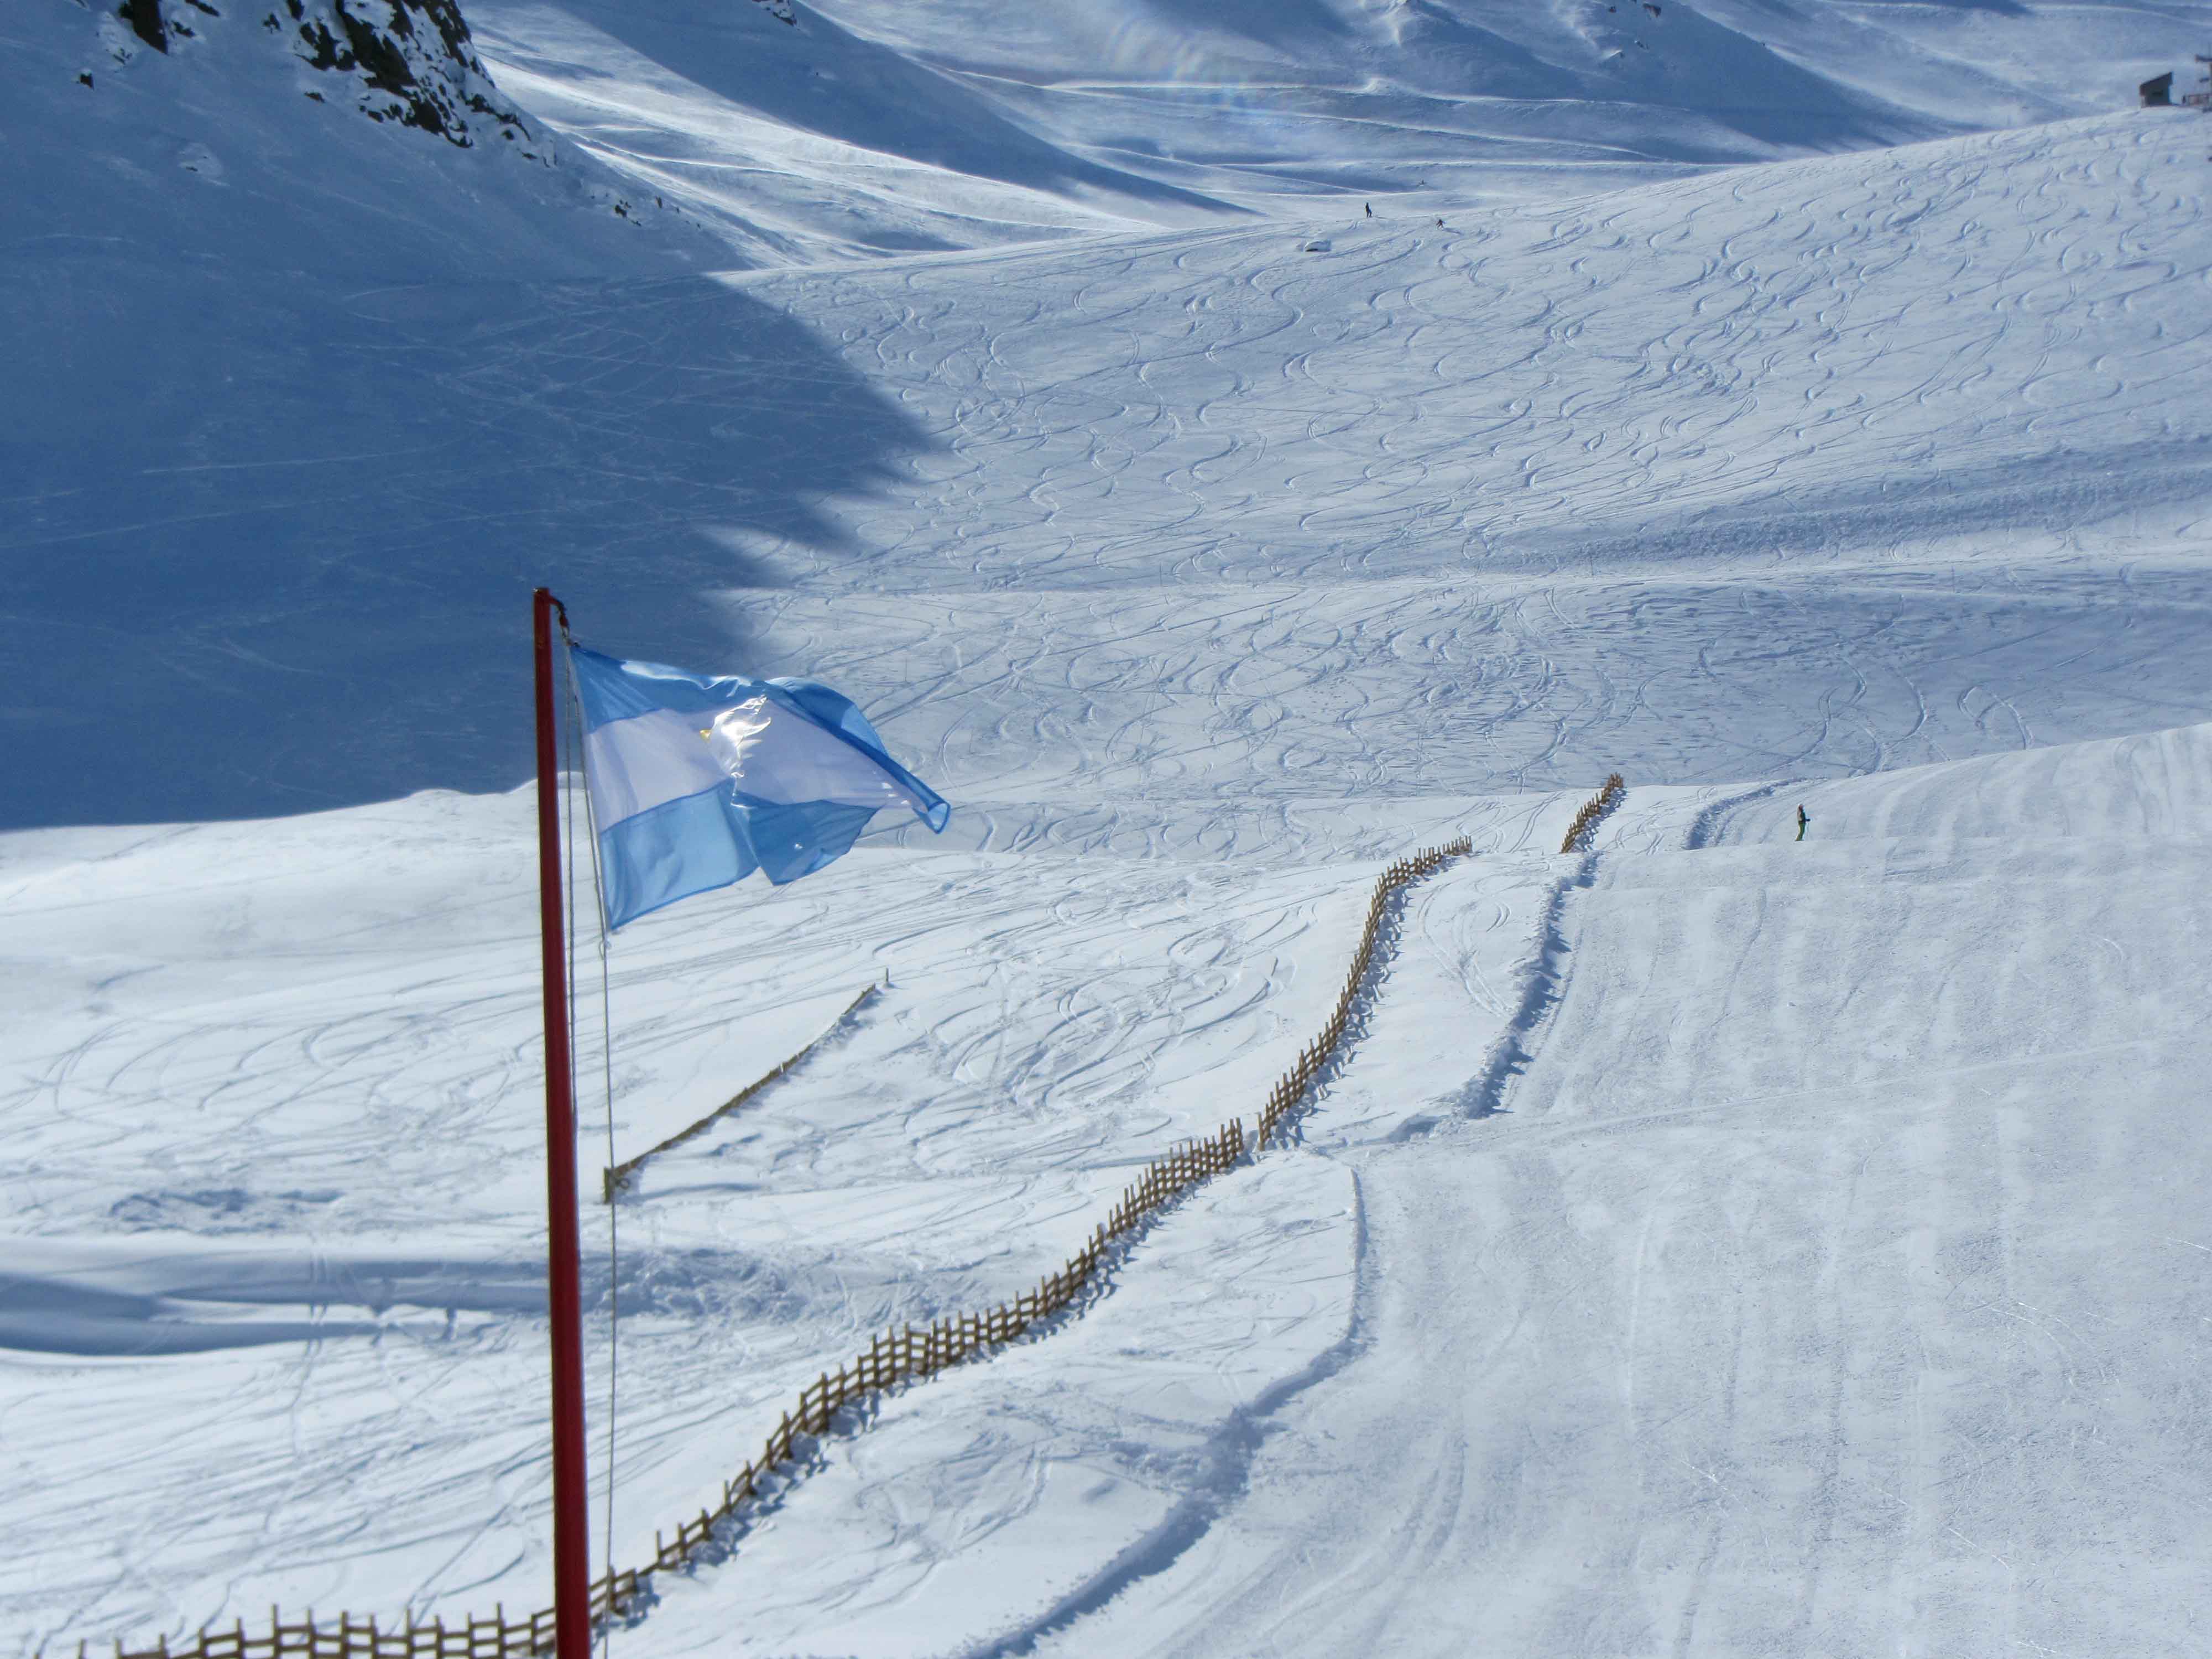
[{"x": 607, "y": 1063}]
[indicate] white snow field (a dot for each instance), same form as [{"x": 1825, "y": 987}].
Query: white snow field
[
  {"x": 1707, "y": 1244},
  {"x": 877, "y": 125}
]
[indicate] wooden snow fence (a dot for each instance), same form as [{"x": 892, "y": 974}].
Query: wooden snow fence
[
  {"x": 1591, "y": 814},
  {"x": 613, "y": 1181},
  {"x": 1292, "y": 1087},
  {"x": 893, "y": 1357},
  {"x": 909, "y": 1353},
  {"x": 364, "y": 1638}
]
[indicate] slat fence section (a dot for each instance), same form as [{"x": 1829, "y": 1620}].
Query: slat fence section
[
  {"x": 1592, "y": 813},
  {"x": 613, "y": 1181},
  {"x": 1295, "y": 1086}
]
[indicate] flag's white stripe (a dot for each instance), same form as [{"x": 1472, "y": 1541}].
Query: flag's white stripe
[
  {"x": 773, "y": 754},
  {"x": 647, "y": 761},
  {"x": 769, "y": 752}
]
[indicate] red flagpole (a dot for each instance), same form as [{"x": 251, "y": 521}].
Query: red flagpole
[{"x": 572, "y": 1556}]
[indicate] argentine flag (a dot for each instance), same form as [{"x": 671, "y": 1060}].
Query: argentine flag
[{"x": 697, "y": 781}]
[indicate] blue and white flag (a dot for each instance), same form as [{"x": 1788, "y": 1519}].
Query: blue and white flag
[{"x": 697, "y": 781}]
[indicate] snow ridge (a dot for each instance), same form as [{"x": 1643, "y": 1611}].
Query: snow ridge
[
  {"x": 1545, "y": 984},
  {"x": 1227, "y": 1460},
  {"x": 1712, "y": 819}
]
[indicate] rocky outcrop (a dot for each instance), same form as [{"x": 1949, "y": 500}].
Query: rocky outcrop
[
  {"x": 406, "y": 61},
  {"x": 413, "y": 60}
]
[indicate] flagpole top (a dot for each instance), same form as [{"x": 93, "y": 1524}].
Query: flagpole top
[{"x": 546, "y": 596}]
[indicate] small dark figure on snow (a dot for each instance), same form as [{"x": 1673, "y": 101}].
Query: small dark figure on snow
[
  {"x": 1370, "y": 206},
  {"x": 1802, "y": 822}
]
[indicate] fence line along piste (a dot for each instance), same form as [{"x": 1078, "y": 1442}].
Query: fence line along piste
[
  {"x": 1295, "y": 1085},
  {"x": 611, "y": 1181},
  {"x": 892, "y": 1358},
  {"x": 1593, "y": 813}
]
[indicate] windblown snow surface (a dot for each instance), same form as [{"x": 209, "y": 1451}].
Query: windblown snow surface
[{"x": 1708, "y": 1243}]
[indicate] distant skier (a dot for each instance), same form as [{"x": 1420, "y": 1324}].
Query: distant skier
[
  {"x": 1802, "y": 822},
  {"x": 1370, "y": 206}
]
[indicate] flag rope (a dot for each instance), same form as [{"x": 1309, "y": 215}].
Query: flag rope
[
  {"x": 607, "y": 1081},
  {"x": 568, "y": 920}
]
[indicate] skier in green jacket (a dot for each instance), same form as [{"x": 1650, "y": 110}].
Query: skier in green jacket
[{"x": 1802, "y": 822}]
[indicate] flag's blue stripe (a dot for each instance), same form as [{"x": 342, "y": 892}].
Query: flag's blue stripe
[
  {"x": 791, "y": 842},
  {"x": 670, "y": 852},
  {"x": 711, "y": 840}
]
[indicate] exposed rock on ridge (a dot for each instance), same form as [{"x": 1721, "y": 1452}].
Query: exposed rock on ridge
[
  {"x": 415, "y": 61},
  {"x": 410, "y": 61}
]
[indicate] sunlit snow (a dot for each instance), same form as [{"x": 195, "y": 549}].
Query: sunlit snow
[{"x": 1223, "y": 449}]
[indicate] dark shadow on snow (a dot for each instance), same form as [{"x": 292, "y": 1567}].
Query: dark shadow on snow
[
  {"x": 296, "y": 575},
  {"x": 822, "y": 78}
]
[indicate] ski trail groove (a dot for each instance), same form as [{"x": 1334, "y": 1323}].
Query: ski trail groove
[
  {"x": 1228, "y": 1454},
  {"x": 1547, "y": 984},
  {"x": 1709, "y": 820}
]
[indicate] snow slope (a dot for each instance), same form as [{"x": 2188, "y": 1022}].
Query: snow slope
[
  {"x": 276, "y": 1159},
  {"x": 1709, "y": 1244},
  {"x": 272, "y": 1084},
  {"x": 1704, "y": 1246},
  {"x": 1238, "y": 526},
  {"x": 1830, "y": 1282},
  {"x": 870, "y": 125}
]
